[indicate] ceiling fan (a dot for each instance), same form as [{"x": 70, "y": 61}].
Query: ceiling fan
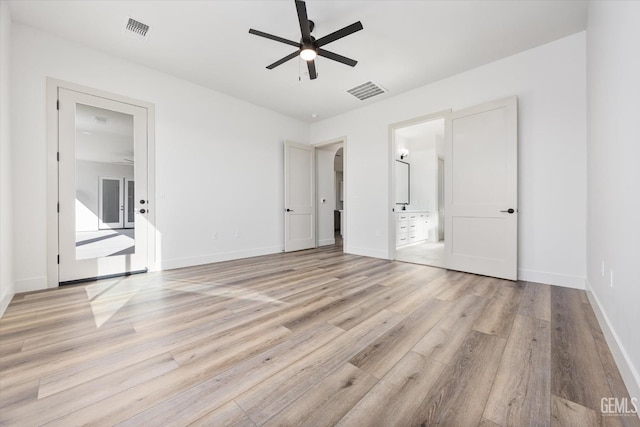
[{"x": 308, "y": 47}]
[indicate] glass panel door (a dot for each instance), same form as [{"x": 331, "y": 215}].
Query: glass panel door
[{"x": 102, "y": 171}]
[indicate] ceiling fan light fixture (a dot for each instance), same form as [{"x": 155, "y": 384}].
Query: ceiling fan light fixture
[{"x": 308, "y": 53}]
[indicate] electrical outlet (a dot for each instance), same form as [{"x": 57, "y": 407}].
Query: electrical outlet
[
  {"x": 602, "y": 271},
  {"x": 214, "y": 235},
  {"x": 611, "y": 278}
]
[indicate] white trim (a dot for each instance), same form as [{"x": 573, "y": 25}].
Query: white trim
[
  {"x": 326, "y": 242},
  {"x": 628, "y": 371},
  {"x": 52, "y": 86},
  {"x": 368, "y": 252},
  {"x": 548, "y": 278},
  {"x": 391, "y": 234},
  {"x": 218, "y": 257},
  {"x": 4, "y": 303}
]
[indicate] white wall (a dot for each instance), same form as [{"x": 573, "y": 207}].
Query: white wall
[
  {"x": 613, "y": 226},
  {"x": 550, "y": 83},
  {"x": 88, "y": 176},
  {"x": 6, "y": 216},
  {"x": 219, "y": 160}
]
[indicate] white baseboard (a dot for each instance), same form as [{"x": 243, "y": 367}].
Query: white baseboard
[
  {"x": 366, "y": 252},
  {"x": 325, "y": 242},
  {"x": 4, "y": 302},
  {"x": 170, "y": 264},
  {"x": 565, "y": 280},
  {"x": 628, "y": 371},
  {"x": 33, "y": 284}
]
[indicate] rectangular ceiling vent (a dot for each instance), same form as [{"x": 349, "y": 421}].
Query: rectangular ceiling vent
[
  {"x": 366, "y": 90},
  {"x": 137, "y": 27}
]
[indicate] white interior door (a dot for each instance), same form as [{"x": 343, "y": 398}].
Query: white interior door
[
  {"x": 99, "y": 137},
  {"x": 481, "y": 189},
  {"x": 299, "y": 188},
  {"x": 110, "y": 203}
]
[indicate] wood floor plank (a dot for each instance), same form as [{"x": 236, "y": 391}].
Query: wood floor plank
[
  {"x": 398, "y": 395},
  {"x": 497, "y": 317},
  {"x": 326, "y": 403},
  {"x": 228, "y": 415},
  {"x": 522, "y": 397},
  {"x": 381, "y": 355},
  {"x": 577, "y": 374},
  {"x": 445, "y": 338},
  {"x": 459, "y": 396},
  {"x": 334, "y": 308},
  {"x": 425, "y": 289},
  {"x": 55, "y": 405},
  {"x": 565, "y": 413},
  {"x": 536, "y": 301},
  {"x": 266, "y": 399},
  {"x": 188, "y": 393},
  {"x": 351, "y": 317}
]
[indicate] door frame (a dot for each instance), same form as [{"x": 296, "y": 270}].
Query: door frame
[
  {"x": 340, "y": 140},
  {"x": 391, "y": 219},
  {"x": 52, "y": 86}
]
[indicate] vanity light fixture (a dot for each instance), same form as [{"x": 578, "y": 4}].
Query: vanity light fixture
[{"x": 404, "y": 153}]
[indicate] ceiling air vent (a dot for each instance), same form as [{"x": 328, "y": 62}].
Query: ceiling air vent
[
  {"x": 366, "y": 90},
  {"x": 137, "y": 27}
]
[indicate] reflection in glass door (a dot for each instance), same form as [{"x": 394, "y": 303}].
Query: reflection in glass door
[
  {"x": 110, "y": 204},
  {"x": 129, "y": 203},
  {"x": 102, "y": 171}
]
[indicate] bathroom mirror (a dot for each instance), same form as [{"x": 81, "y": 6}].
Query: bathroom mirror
[{"x": 402, "y": 182}]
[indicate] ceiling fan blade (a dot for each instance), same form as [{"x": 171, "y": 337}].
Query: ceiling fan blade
[
  {"x": 349, "y": 29},
  {"x": 272, "y": 37},
  {"x": 304, "y": 21},
  {"x": 283, "y": 60},
  {"x": 343, "y": 59},
  {"x": 312, "y": 69}
]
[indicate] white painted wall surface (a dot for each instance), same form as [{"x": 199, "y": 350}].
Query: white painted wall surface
[
  {"x": 218, "y": 159},
  {"x": 613, "y": 226},
  {"x": 550, "y": 83},
  {"x": 7, "y": 289}
]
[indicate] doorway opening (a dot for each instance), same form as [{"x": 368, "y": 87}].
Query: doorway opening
[
  {"x": 419, "y": 192},
  {"x": 330, "y": 193}
]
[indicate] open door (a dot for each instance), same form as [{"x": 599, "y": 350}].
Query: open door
[
  {"x": 299, "y": 186},
  {"x": 481, "y": 189}
]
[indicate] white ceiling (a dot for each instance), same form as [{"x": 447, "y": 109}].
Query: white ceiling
[{"x": 404, "y": 44}]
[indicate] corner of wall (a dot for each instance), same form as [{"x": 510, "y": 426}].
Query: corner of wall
[
  {"x": 7, "y": 286},
  {"x": 628, "y": 371}
]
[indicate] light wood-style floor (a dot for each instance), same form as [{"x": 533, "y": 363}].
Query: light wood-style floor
[{"x": 309, "y": 338}]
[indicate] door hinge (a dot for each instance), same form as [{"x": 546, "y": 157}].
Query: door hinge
[
  {"x": 58, "y": 156},
  {"x": 58, "y": 207},
  {"x": 58, "y": 259},
  {"x": 58, "y": 105}
]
